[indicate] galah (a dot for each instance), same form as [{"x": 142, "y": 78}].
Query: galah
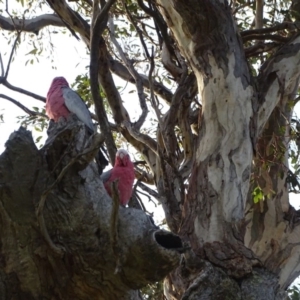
[
  {"x": 62, "y": 101},
  {"x": 123, "y": 171}
]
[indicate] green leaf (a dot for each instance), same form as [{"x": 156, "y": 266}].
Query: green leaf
[
  {"x": 257, "y": 194},
  {"x": 33, "y": 51}
]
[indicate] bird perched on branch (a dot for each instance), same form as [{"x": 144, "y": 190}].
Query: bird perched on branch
[
  {"x": 62, "y": 101},
  {"x": 123, "y": 171}
]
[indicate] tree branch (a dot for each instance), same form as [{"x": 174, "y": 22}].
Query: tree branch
[
  {"x": 160, "y": 24},
  {"x": 171, "y": 119},
  {"x": 37, "y": 23},
  {"x": 20, "y": 90},
  {"x": 153, "y": 98},
  {"x": 98, "y": 28},
  {"x": 271, "y": 37},
  {"x": 278, "y": 77},
  {"x": 259, "y": 14},
  {"x": 11, "y": 54},
  {"x": 30, "y": 25},
  {"x": 148, "y": 190},
  {"x": 119, "y": 112},
  {"x": 159, "y": 89},
  {"x": 135, "y": 75},
  {"x": 4, "y": 75},
  {"x": 278, "y": 27},
  {"x": 138, "y": 30},
  {"x": 27, "y": 110},
  {"x": 72, "y": 18},
  {"x": 260, "y": 48},
  {"x": 144, "y": 138},
  {"x": 2, "y": 66}
]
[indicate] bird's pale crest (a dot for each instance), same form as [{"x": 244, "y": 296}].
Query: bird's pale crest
[{"x": 122, "y": 153}]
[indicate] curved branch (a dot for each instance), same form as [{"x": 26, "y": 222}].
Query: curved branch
[
  {"x": 278, "y": 77},
  {"x": 282, "y": 26},
  {"x": 137, "y": 28},
  {"x": 12, "y": 53},
  {"x": 71, "y": 18},
  {"x": 159, "y": 89},
  {"x": 271, "y": 37},
  {"x": 260, "y": 48},
  {"x": 169, "y": 64},
  {"x": 20, "y": 90},
  {"x": 120, "y": 114},
  {"x": 23, "y": 107},
  {"x": 171, "y": 119},
  {"x": 1, "y": 65},
  {"x": 4, "y": 75},
  {"x": 160, "y": 24},
  {"x": 134, "y": 74},
  {"x": 31, "y": 25},
  {"x": 141, "y": 137},
  {"x": 148, "y": 190},
  {"x": 99, "y": 26}
]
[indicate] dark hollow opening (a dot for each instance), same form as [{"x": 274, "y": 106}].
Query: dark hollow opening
[{"x": 168, "y": 240}]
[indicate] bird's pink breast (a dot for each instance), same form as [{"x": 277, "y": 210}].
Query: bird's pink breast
[
  {"x": 126, "y": 179},
  {"x": 55, "y": 104}
]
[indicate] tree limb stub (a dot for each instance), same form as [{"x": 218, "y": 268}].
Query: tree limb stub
[{"x": 77, "y": 215}]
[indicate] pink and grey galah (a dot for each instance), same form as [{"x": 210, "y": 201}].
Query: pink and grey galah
[
  {"x": 123, "y": 171},
  {"x": 61, "y": 101}
]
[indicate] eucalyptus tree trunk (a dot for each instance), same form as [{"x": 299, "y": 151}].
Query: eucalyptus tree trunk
[{"x": 256, "y": 257}]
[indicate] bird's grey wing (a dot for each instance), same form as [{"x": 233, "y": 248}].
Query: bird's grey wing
[
  {"x": 105, "y": 175},
  {"x": 76, "y": 105}
]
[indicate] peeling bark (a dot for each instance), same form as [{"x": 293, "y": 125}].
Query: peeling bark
[
  {"x": 278, "y": 79},
  {"x": 234, "y": 112},
  {"x": 220, "y": 178},
  {"x": 272, "y": 232}
]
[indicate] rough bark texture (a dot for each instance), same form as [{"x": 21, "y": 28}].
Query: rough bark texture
[
  {"x": 214, "y": 283},
  {"x": 233, "y": 114},
  {"x": 220, "y": 179},
  {"x": 272, "y": 230},
  {"x": 90, "y": 254}
]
